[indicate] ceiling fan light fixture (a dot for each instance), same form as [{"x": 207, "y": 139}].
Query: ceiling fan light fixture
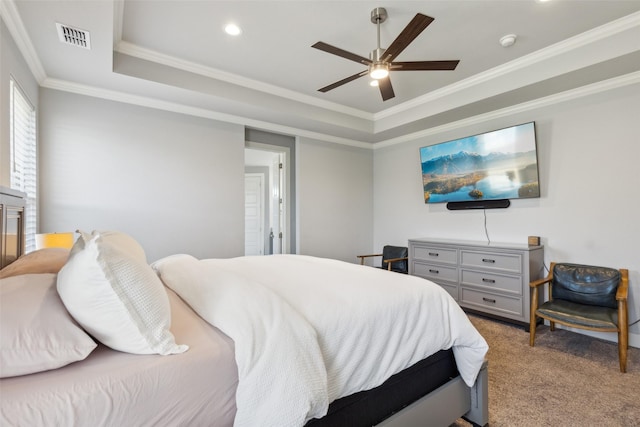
[
  {"x": 379, "y": 71},
  {"x": 374, "y": 83}
]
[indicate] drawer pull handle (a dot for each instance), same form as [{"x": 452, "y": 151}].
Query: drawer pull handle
[
  {"x": 434, "y": 254},
  {"x": 492, "y": 261},
  {"x": 488, "y": 280},
  {"x": 434, "y": 271},
  {"x": 488, "y": 300}
]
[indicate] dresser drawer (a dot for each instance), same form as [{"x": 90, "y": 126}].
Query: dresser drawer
[
  {"x": 511, "y": 284},
  {"x": 498, "y": 304},
  {"x": 435, "y": 272},
  {"x": 433, "y": 254},
  {"x": 504, "y": 262}
]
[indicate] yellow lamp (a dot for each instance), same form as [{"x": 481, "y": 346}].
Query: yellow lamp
[{"x": 54, "y": 240}]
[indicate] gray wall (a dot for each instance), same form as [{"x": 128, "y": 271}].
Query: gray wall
[
  {"x": 335, "y": 199},
  {"x": 11, "y": 64},
  {"x": 174, "y": 182},
  {"x": 589, "y": 210}
]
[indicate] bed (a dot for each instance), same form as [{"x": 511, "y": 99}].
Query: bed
[{"x": 285, "y": 340}]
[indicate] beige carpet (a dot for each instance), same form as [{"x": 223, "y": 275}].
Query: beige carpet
[{"x": 567, "y": 379}]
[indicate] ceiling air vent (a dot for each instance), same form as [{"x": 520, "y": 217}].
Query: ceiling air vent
[{"x": 73, "y": 36}]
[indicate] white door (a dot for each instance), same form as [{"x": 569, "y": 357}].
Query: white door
[
  {"x": 278, "y": 194},
  {"x": 253, "y": 214}
]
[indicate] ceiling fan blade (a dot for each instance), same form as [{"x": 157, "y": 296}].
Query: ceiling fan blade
[
  {"x": 386, "y": 90},
  {"x": 342, "y": 53},
  {"x": 343, "y": 81},
  {"x": 410, "y": 32},
  {"x": 424, "y": 65}
]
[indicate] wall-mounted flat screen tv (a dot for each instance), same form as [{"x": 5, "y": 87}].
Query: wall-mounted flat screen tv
[{"x": 502, "y": 164}]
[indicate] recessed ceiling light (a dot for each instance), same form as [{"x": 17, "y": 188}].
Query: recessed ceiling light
[{"x": 232, "y": 30}]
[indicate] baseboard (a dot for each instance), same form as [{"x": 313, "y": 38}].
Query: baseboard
[{"x": 634, "y": 339}]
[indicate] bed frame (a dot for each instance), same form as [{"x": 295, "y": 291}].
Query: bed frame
[{"x": 445, "y": 405}]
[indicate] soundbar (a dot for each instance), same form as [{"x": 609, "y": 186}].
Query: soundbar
[{"x": 479, "y": 204}]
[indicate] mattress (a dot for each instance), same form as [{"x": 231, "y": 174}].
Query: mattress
[
  {"x": 373, "y": 406},
  {"x": 111, "y": 388}
]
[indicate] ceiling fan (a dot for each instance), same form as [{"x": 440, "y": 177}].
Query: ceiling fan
[{"x": 381, "y": 61}]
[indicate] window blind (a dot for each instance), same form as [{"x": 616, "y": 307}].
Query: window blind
[{"x": 22, "y": 136}]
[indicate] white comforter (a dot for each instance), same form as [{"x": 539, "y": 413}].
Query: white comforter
[{"x": 310, "y": 330}]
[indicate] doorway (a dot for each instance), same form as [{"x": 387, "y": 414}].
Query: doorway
[
  {"x": 274, "y": 156},
  {"x": 269, "y": 210}
]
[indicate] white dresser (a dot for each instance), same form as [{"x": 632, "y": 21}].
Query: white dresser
[{"x": 488, "y": 278}]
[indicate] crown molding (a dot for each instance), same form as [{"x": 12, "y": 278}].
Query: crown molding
[
  {"x": 118, "y": 20},
  {"x": 127, "y": 48},
  {"x": 143, "y": 101},
  {"x": 591, "y": 89},
  {"x": 12, "y": 20},
  {"x": 561, "y": 48},
  {"x": 594, "y": 88},
  {"x": 131, "y": 49}
]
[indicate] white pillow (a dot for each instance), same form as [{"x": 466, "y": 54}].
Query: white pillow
[
  {"x": 36, "y": 331},
  {"x": 111, "y": 291}
]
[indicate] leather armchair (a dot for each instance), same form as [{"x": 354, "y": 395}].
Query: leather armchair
[
  {"x": 585, "y": 297},
  {"x": 394, "y": 258}
]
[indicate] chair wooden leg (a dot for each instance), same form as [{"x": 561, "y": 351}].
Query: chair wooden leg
[
  {"x": 533, "y": 322},
  {"x": 623, "y": 345},
  {"x": 532, "y": 330},
  {"x": 623, "y": 334}
]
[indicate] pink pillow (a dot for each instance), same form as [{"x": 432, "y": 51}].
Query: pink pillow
[
  {"x": 36, "y": 331},
  {"x": 49, "y": 260}
]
